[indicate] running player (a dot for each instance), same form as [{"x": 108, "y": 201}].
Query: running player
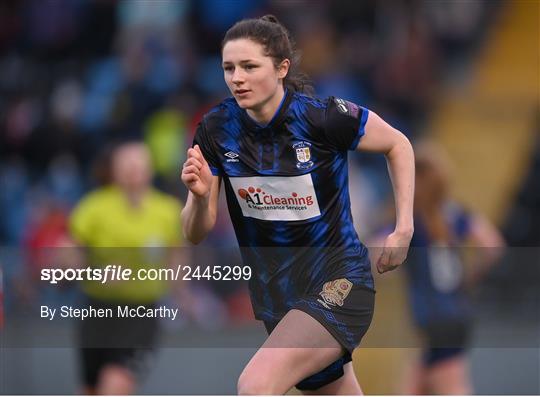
[
  {"x": 282, "y": 157},
  {"x": 437, "y": 277}
]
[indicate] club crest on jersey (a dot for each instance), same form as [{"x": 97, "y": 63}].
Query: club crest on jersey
[
  {"x": 303, "y": 155},
  {"x": 334, "y": 292}
]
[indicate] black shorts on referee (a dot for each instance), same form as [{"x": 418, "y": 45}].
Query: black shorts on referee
[{"x": 128, "y": 342}]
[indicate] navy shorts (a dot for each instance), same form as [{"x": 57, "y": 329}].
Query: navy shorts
[
  {"x": 445, "y": 339},
  {"x": 345, "y": 309}
]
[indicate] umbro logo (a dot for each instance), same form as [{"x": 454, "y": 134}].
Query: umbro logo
[{"x": 232, "y": 157}]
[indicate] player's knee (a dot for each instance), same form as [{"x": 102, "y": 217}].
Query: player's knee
[{"x": 249, "y": 384}]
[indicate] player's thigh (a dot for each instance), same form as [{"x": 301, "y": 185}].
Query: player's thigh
[
  {"x": 450, "y": 376},
  {"x": 116, "y": 380},
  {"x": 298, "y": 329},
  {"x": 298, "y": 347},
  {"x": 346, "y": 385}
]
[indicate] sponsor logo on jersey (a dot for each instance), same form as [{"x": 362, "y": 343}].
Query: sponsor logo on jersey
[
  {"x": 303, "y": 155},
  {"x": 341, "y": 105},
  {"x": 276, "y": 198},
  {"x": 232, "y": 157},
  {"x": 334, "y": 292},
  {"x": 346, "y": 107}
]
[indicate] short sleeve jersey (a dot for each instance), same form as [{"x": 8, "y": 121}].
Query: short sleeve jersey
[
  {"x": 115, "y": 232},
  {"x": 287, "y": 192}
]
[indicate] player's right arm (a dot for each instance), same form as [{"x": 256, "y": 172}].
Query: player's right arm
[{"x": 200, "y": 213}]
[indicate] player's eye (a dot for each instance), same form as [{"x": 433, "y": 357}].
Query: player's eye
[
  {"x": 250, "y": 66},
  {"x": 228, "y": 68}
]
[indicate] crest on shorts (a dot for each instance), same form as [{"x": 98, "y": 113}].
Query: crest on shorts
[
  {"x": 334, "y": 292},
  {"x": 303, "y": 155}
]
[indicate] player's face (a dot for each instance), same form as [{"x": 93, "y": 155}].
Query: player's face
[
  {"x": 251, "y": 76},
  {"x": 131, "y": 167}
]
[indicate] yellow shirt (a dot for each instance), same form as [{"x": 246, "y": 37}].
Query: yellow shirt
[{"x": 117, "y": 233}]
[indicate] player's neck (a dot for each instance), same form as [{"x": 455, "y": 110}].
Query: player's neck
[{"x": 266, "y": 112}]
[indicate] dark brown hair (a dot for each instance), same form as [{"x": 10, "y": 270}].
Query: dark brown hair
[{"x": 275, "y": 39}]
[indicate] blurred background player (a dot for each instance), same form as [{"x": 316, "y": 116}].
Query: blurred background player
[
  {"x": 120, "y": 223},
  {"x": 438, "y": 280}
]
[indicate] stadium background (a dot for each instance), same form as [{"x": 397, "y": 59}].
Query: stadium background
[{"x": 75, "y": 75}]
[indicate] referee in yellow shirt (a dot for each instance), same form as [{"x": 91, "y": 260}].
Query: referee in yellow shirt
[{"x": 121, "y": 224}]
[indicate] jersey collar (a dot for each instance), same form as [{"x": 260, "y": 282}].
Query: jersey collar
[{"x": 280, "y": 114}]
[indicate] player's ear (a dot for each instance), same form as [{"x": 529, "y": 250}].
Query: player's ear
[{"x": 283, "y": 68}]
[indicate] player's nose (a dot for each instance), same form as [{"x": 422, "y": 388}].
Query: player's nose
[{"x": 238, "y": 77}]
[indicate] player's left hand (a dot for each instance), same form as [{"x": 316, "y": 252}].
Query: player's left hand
[{"x": 394, "y": 251}]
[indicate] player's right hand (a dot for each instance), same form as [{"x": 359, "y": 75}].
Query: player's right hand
[
  {"x": 196, "y": 173},
  {"x": 394, "y": 251}
]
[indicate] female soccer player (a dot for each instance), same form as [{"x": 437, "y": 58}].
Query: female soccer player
[
  {"x": 282, "y": 156},
  {"x": 437, "y": 278}
]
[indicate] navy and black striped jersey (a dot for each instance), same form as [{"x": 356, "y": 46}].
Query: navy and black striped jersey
[{"x": 287, "y": 191}]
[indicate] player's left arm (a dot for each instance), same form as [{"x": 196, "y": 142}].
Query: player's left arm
[{"x": 380, "y": 137}]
